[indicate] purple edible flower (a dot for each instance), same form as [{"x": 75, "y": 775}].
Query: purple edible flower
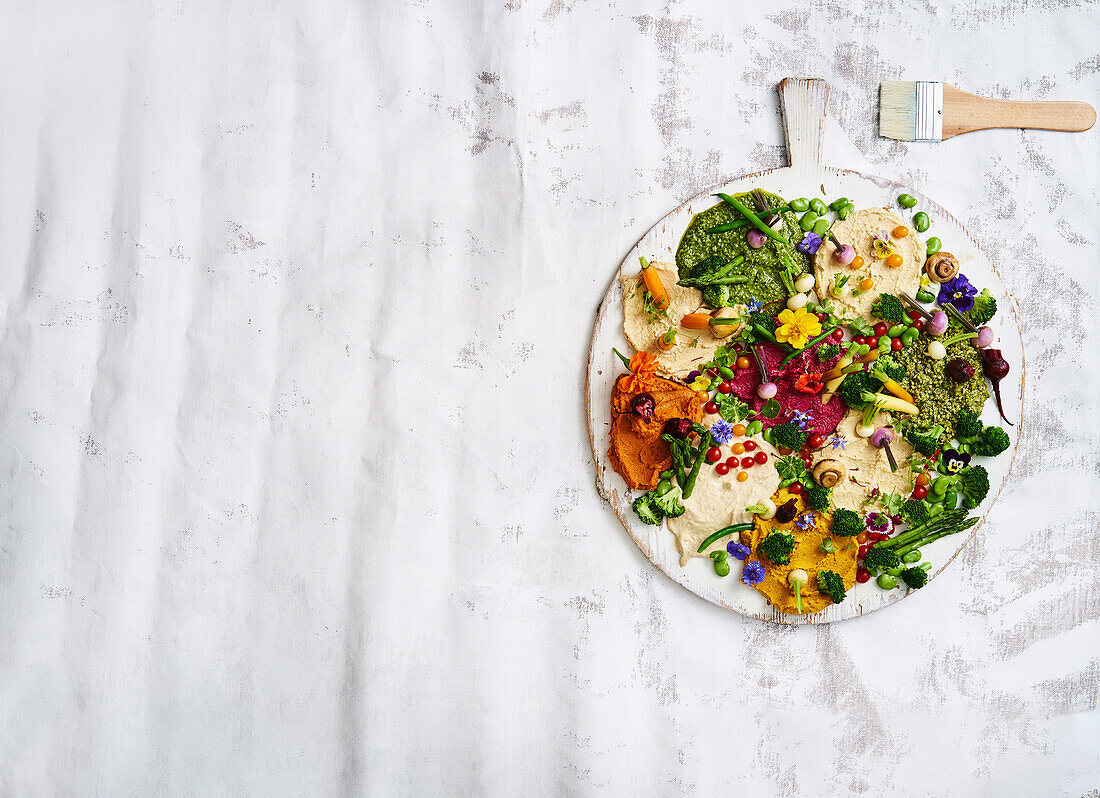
[
  {"x": 753, "y": 574},
  {"x": 809, "y": 244},
  {"x": 801, "y": 418},
  {"x": 839, "y": 443},
  {"x": 879, "y": 522},
  {"x": 722, "y": 431},
  {"x": 739, "y": 551},
  {"x": 805, "y": 521},
  {"x": 753, "y": 306},
  {"x": 955, "y": 461},
  {"x": 959, "y": 292}
]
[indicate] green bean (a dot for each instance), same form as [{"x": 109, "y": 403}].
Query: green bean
[
  {"x": 838, "y": 203},
  {"x": 809, "y": 219},
  {"x": 721, "y": 533},
  {"x": 738, "y": 224},
  {"x": 907, "y": 200},
  {"x": 933, "y": 245},
  {"x": 924, "y": 295},
  {"x": 800, "y": 205},
  {"x": 887, "y": 582},
  {"x": 921, "y": 221},
  {"x": 727, "y": 373},
  {"x": 821, "y": 227},
  {"x": 752, "y": 217},
  {"x": 911, "y": 556}
]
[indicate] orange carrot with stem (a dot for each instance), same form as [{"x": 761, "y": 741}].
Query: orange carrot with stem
[{"x": 654, "y": 285}]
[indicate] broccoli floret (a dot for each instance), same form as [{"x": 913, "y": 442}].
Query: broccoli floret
[
  {"x": 847, "y": 523},
  {"x": 765, "y": 320},
  {"x": 967, "y": 425},
  {"x": 914, "y": 577},
  {"x": 990, "y": 443},
  {"x": 878, "y": 557},
  {"x": 915, "y": 512},
  {"x": 985, "y": 308},
  {"x": 853, "y": 387},
  {"x": 889, "y": 308},
  {"x": 789, "y": 436},
  {"x": 644, "y": 507},
  {"x": 827, "y": 352},
  {"x": 831, "y": 585},
  {"x": 925, "y": 441},
  {"x": 669, "y": 502},
  {"x": 974, "y": 485},
  {"x": 818, "y": 498},
  {"x": 893, "y": 369},
  {"x": 777, "y": 547}
]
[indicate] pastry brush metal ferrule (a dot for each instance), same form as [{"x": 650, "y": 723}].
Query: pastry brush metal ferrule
[{"x": 927, "y": 110}]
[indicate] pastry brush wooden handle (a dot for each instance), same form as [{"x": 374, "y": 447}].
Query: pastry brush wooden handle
[{"x": 963, "y": 112}]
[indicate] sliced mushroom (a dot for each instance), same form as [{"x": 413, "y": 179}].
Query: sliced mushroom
[
  {"x": 828, "y": 473},
  {"x": 941, "y": 267}
]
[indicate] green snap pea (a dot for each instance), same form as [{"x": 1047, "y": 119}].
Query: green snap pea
[
  {"x": 909, "y": 335},
  {"x": 933, "y": 245},
  {"x": 911, "y": 556},
  {"x": 921, "y": 221},
  {"x": 809, "y": 219},
  {"x": 838, "y": 203},
  {"x": 896, "y": 330},
  {"x": 907, "y": 200},
  {"x": 817, "y": 205},
  {"x": 722, "y": 568},
  {"x": 887, "y": 582},
  {"x": 800, "y": 205},
  {"x": 821, "y": 227},
  {"x": 754, "y": 427},
  {"x": 844, "y": 211},
  {"x": 924, "y": 295},
  {"x": 727, "y": 373}
]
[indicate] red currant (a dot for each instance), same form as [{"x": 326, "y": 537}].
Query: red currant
[
  {"x": 881, "y": 328},
  {"x": 795, "y": 488},
  {"x": 760, "y": 458},
  {"x": 920, "y": 492},
  {"x": 722, "y": 469},
  {"x": 711, "y": 407},
  {"x": 872, "y": 341},
  {"x": 896, "y": 344},
  {"x": 817, "y": 440},
  {"x": 750, "y": 446},
  {"x": 838, "y": 335},
  {"x": 747, "y": 462},
  {"x": 714, "y": 454},
  {"x": 863, "y": 575}
]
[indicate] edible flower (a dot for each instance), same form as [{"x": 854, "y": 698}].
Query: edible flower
[
  {"x": 809, "y": 244},
  {"x": 879, "y": 522},
  {"x": 801, "y": 418},
  {"x": 739, "y": 551},
  {"x": 722, "y": 431},
  {"x": 955, "y": 461},
  {"x": 700, "y": 383},
  {"x": 753, "y": 573},
  {"x": 809, "y": 383},
  {"x": 805, "y": 521},
  {"x": 959, "y": 292},
  {"x": 643, "y": 368},
  {"x": 839, "y": 443},
  {"x": 881, "y": 245},
  {"x": 797, "y": 327},
  {"x": 753, "y": 306}
]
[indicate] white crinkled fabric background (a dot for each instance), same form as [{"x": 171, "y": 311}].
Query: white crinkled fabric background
[{"x": 296, "y": 495}]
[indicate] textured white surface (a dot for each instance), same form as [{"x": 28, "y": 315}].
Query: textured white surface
[{"x": 296, "y": 494}]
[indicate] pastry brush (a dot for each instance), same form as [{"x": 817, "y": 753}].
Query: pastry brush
[{"x": 926, "y": 110}]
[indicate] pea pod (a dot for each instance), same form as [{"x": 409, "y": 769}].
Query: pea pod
[
  {"x": 818, "y": 206},
  {"x": 821, "y": 227},
  {"x": 907, "y": 200},
  {"x": 887, "y": 582},
  {"x": 845, "y": 210},
  {"x": 838, "y": 203},
  {"x": 924, "y": 295},
  {"x": 921, "y": 221},
  {"x": 896, "y": 330},
  {"x": 909, "y": 335},
  {"x": 809, "y": 219},
  {"x": 800, "y": 205},
  {"x": 726, "y": 373},
  {"x": 933, "y": 245},
  {"x": 911, "y": 556}
]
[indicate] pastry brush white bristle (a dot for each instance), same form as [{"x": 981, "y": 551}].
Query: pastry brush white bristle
[{"x": 911, "y": 110}]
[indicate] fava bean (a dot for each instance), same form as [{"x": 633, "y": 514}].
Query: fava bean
[
  {"x": 754, "y": 427},
  {"x": 862, "y": 349},
  {"x": 907, "y": 200},
  {"x": 933, "y": 245},
  {"x": 720, "y": 555},
  {"x": 909, "y": 335},
  {"x": 911, "y": 556},
  {"x": 727, "y": 373},
  {"x": 800, "y": 205},
  {"x": 838, "y": 203},
  {"x": 887, "y": 582},
  {"x": 722, "y": 568},
  {"x": 950, "y": 500},
  {"x": 921, "y": 221},
  {"x": 666, "y": 476},
  {"x": 939, "y": 486},
  {"x": 925, "y": 566},
  {"x": 821, "y": 227},
  {"x": 809, "y": 219},
  {"x": 884, "y": 344},
  {"x": 844, "y": 211},
  {"x": 896, "y": 330},
  {"x": 893, "y": 571},
  {"x": 924, "y": 295},
  {"x": 818, "y": 206}
]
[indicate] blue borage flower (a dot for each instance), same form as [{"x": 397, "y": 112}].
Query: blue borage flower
[
  {"x": 753, "y": 574},
  {"x": 806, "y": 521},
  {"x": 839, "y": 443},
  {"x": 738, "y": 551},
  {"x": 809, "y": 244},
  {"x": 801, "y": 418},
  {"x": 753, "y": 306},
  {"x": 722, "y": 431}
]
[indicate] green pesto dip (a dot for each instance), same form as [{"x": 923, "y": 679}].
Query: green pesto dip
[
  {"x": 938, "y": 396},
  {"x": 762, "y": 266}
]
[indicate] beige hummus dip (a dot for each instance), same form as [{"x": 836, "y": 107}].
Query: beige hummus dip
[
  {"x": 868, "y": 467},
  {"x": 642, "y": 329},
  {"x": 719, "y": 501},
  {"x": 859, "y": 230}
]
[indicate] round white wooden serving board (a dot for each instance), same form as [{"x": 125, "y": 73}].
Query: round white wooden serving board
[{"x": 804, "y": 102}]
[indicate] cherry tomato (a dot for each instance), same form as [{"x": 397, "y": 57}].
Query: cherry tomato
[
  {"x": 742, "y": 476},
  {"x": 722, "y": 469},
  {"x": 795, "y": 488},
  {"x": 894, "y": 261},
  {"x": 750, "y": 445},
  {"x": 918, "y": 324},
  {"x": 881, "y": 329},
  {"x": 922, "y": 479},
  {"x": 872, "y": 342},
  {"x": 914, "y": 315},
  {"x": 743, "y": 362},
  {"x": 817, "y": 440},
  {"x": 863, "y": 537},
  {"x": 760, "y": 458},
  {"x": 838, "y": 334},
  {"x": 739, "y": 430},
  {"x": 808, "y": 461},
  {"x": 738, "y": 448},
  {"x": 863, "y": 575},
  {"x": 702, "y": 396},
  {"x": 821, "y": 316},
  {"x": 863, "y": 549},
  {"x": 901, "y": 231},
  {"x": 859, "y": 339},
  {"x": 724, "y": 387},
  {"x": 857, "y": 262},
  {"x": 920, "y": 492},
  {"x": 711, "y": 408},
  {"x": 896, "y": 344},
  {"x": 878, "y": 537},
  {"x": 731, "y": 462},
  {"x": 783, "y": 450},
  {"x": 747, "y": 462},
  {"x": 867, "y": 283},
  {"x": 714, "y": 454}
]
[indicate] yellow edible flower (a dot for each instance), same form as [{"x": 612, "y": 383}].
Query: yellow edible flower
[
  {"x": 797, "y": 327},
  {"x": 882, "y": 248}
]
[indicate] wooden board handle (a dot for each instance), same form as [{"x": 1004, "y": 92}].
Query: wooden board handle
[
  {"x": 804, "y": 102},
  {"x": 964, "y": 112}
]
